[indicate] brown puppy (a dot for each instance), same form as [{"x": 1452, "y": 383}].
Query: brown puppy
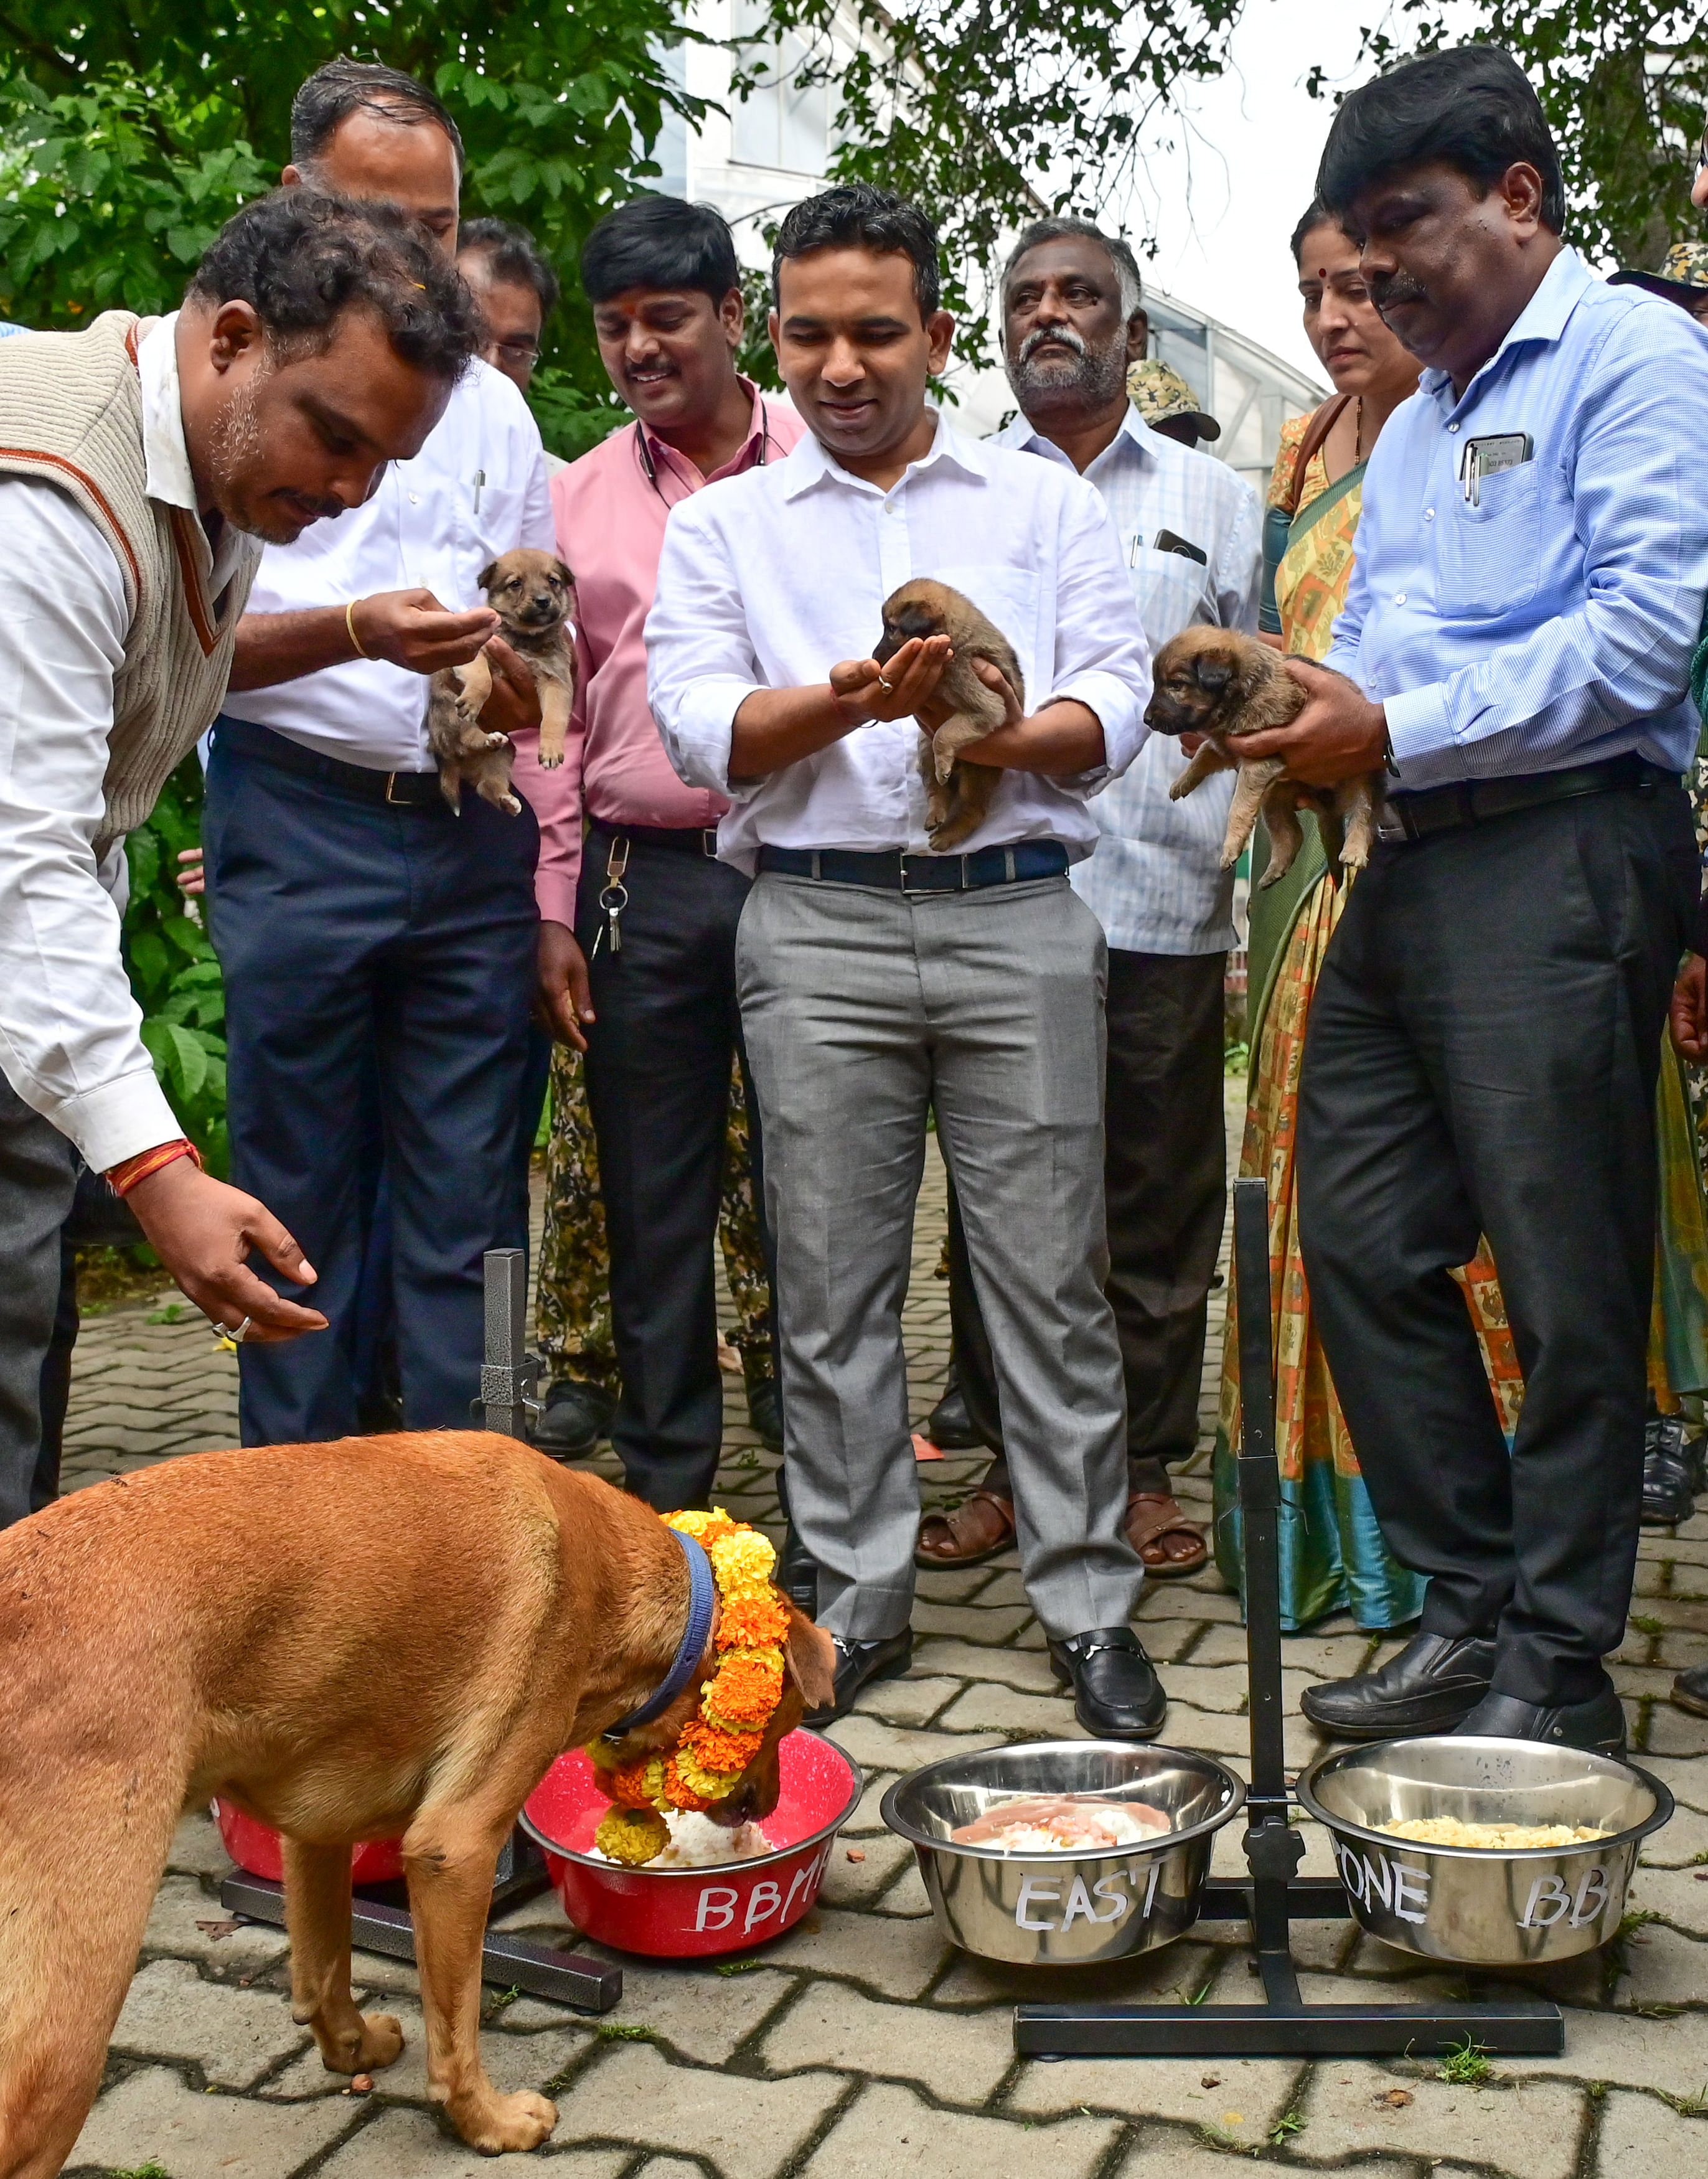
[
  {"x": 1219, "y": 683},
  {"x": 533, "y": 594},
  {"x": 957, "y": 795},
  {"x": 376, "y": 1637}
]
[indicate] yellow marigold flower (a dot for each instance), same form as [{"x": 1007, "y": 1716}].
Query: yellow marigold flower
[
  {"x": 752, "y": 1619},
  {"x": 601, "y": 1754},
  {"x": 632, "y": 1836},
  {"x": 743, "y": 1563},
  {"x": 691, "y": 1523},
  {"x": 682, "y": 1795}
]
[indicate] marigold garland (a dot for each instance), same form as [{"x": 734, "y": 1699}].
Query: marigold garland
[{"x": 736, "y": 1703}]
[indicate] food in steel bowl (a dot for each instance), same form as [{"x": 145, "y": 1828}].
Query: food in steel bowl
[
  {"x": 1063, "y": 1906},
  {"x": 1489, "y": 1838},
  {"x": 684, "y": 1913},
  {"x": 1061, "y": 1823},
  {"x": 1488, "y": 1906}
]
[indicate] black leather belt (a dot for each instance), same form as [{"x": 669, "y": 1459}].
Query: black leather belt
[
  {"x": 681, "y": 839},
  {"x": 1472, "y": 801},
  {"x": 399, "y": 790},
  {"x": 896, "y": 872}
]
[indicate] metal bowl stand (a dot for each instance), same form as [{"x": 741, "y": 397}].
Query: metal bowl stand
[
  {"x": 380, "y": 1912},
  {"x": 1284, "y": 2025}
]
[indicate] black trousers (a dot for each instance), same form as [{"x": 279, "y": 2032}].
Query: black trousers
[
  {"x": 1165, "y": 1182},
  {"x": 38, "y": 1180},
  {"x": 658, "y": 1087},
  {"x": 1482, "y": 1057}
]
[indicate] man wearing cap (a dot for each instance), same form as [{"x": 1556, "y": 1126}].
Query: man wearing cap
[
  {"x": 1167, "y": 404},
  {"x": 1189, "y": 534},
  {"x": 1682, "y": 279}
]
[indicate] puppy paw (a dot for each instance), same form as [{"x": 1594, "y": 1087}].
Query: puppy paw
[
  {"x": 520, "y": 2121},
  {"x": 510, "y": 805},
  {"x": 495, "y": 741},
  {"x": 383, "y": 2041},
  {"x": 549, "y": 763},
  {"x": 945, "y": 767}
]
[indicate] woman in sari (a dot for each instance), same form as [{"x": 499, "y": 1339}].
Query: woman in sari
[{"x": 1332, "y": 1557}]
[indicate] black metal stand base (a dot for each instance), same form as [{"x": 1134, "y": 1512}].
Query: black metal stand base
[
  {"x": 1283, "y": 2026},
  {"x": 379, "y": 1922}
]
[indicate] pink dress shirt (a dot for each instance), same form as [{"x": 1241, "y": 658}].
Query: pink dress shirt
[{"x": 611, "y": 530}]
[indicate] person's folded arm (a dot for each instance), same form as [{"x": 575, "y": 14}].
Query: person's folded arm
[{"x": 1624, "y": 653}]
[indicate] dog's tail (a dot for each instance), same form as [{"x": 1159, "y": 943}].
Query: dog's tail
[{"x": 86, "y": 1820}]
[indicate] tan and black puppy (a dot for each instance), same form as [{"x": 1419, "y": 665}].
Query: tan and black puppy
[
  {"x": 1219, "y": 683},
  {"x": 957, "y": 794},
  {"x": 534, "y": 595}
]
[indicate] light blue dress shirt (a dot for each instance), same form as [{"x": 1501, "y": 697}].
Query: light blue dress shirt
[{"x": 1549, "y": 621}]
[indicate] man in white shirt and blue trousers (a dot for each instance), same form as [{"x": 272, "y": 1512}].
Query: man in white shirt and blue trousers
[
  {"x": 1189, "y": 533},
  {"x": 1483, "y": 1039},
  {"x": 374, "y": 945},
  {"x": 878, "y": 980}
]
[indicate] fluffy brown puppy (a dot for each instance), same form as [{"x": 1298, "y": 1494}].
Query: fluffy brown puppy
[
  {"x": 957, "y": 794},
  {"x": 378, "y": 1638},
  {"x": 534, "y": 595},
  {"x": 1219, "y": 683}
]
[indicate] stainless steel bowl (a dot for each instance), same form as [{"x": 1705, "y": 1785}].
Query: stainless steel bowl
[
  {"x": 1064, "y": 1909},
  {"x": 1467, "y": 1903}
]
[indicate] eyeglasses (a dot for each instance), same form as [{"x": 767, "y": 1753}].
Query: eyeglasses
[{"x": 519, "y": 351}]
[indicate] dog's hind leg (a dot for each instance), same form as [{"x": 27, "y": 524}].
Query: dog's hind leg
[
  {"x": 317, "y": 1915},
  {"x": 82, "y": 1848},
  {"x": 1286, "y": 834},
  {"x": 1354, "y": 804},
  {"x": 449, "y": 1856},
  {"x": 1253, "y": 782}
]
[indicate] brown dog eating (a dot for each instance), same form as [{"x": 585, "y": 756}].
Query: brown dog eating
[
  {"x": 957, "y": 794},
  {"x": 1219, "y": 683},
  {"x": 533, "y": 594},
  {"x": 370, "y": 1638}
]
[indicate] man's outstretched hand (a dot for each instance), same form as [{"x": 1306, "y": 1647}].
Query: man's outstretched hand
[
  {"x": 1339, "y": 734},
  {"x": 1689, "y": 1012},
  {"x": 202, "y": 1231}
]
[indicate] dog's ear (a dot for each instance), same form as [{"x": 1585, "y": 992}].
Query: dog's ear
[
  {"x": 1215, "y": 673},
  {"x": 810, "y": 1655},
  {"x": 488, "y": 575},
  {"x": 567, "y": 573}
]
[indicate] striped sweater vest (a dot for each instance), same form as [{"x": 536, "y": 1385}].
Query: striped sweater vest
[{"x": 71, "y": 413}]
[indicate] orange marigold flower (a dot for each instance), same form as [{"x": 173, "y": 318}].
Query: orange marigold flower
[
  {"x": 712, "y": 1750},
  {"x": 752, "y": 1620},
  {"x": 682, "y": 1795},
  {"x": 745, "y": 1691},
  {"x": 706, "y": 1528},
  {"x": 635, "y": 1785}
]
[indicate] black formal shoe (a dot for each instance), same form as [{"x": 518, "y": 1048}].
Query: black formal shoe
[
  {"x": 577, "y": 1416},
  {"x": 766, "y": 1412},
  {"x": 1597, "y": 1726},
  {"x": 859, "y": 1663},
  {"x": 1671, "y": 1472},
  {"x": 1690, "y": 1691},
  {"x": 1117, "y": 1695},
  {"x": 1428, "y": 1687},
  {"x": 949, "y": 1426},
  {"x": 797, "y": 1573}
]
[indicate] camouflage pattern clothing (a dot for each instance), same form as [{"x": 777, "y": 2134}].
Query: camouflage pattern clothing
[{"x": 573, "y": 1309}]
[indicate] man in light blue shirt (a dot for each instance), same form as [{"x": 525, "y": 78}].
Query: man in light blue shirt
[{"x": 1531, "y": 568}]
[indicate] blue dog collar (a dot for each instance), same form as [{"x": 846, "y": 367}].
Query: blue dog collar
[{"x": 703, "y": 1597}]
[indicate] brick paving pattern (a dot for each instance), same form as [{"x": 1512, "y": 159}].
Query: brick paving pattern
[{"x": 859, "y": 2045}]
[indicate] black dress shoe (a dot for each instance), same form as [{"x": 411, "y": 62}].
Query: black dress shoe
[
  {"x": 1117, "y": 1695},
  {"x": 1690, "y": 1691},
  {"x": 858, "y": 1663},
  {"x": 1671, "y": 1472},
  {"x": 797, "y": 1573},
  {"x": 766, "y": 1412},
  {"x": 577, "y": 1416},
  {"x": 1428, "y": 1687},
  {"x": 949, "y": 1426},
  {"x": 1597, "y": 1726}
]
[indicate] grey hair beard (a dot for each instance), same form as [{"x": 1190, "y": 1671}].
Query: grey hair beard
[
  {"x": 233, "y": 446},
  {"x": 1099, "y": 376}
]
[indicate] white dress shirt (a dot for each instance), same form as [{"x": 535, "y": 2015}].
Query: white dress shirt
[
  {"x": 770, "y": 579},
  {"x": 477, "y": 488},
  {"x": 69, "y": 1039},
  {"x": 1155, "y": 883}
]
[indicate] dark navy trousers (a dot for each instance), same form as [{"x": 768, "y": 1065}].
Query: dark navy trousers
[{"x": 370, "y": 949}]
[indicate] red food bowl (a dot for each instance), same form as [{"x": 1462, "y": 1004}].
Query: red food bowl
[
  {"x": 257, "y": 1847},
  {"x": 682, "y": 1913}
]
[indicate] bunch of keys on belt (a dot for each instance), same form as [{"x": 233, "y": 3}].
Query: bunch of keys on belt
[{"x": 614, "y": 899}]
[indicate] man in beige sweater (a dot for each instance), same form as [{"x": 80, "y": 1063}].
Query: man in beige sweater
[{"x": 139, "y": 463}]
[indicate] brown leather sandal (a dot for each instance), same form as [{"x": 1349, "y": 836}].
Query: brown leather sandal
[
  {"x": 978, "y": 1528},
  {"x": 1151, "y": 1516}
]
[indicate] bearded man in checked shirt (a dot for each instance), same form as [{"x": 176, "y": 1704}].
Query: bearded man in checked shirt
[
  {"x": 1530, "y": 569},
  {"x": 877, "y": 981}
]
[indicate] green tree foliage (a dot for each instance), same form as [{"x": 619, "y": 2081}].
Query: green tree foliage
[{"x": 1625, "y": 84}]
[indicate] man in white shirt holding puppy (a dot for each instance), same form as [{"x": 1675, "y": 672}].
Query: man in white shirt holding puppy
[{"x": 878, "y": 980}]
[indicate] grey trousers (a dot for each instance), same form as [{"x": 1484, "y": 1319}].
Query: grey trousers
[
  {"x": 862, "y": 1010},
  {"x": 38, "y": 1179}
]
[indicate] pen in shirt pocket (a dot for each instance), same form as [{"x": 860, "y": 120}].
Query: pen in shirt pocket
[{"x": 479, "y": 486}]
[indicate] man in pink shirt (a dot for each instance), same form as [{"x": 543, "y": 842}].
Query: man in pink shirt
[{"x": 656, "y": 912}]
